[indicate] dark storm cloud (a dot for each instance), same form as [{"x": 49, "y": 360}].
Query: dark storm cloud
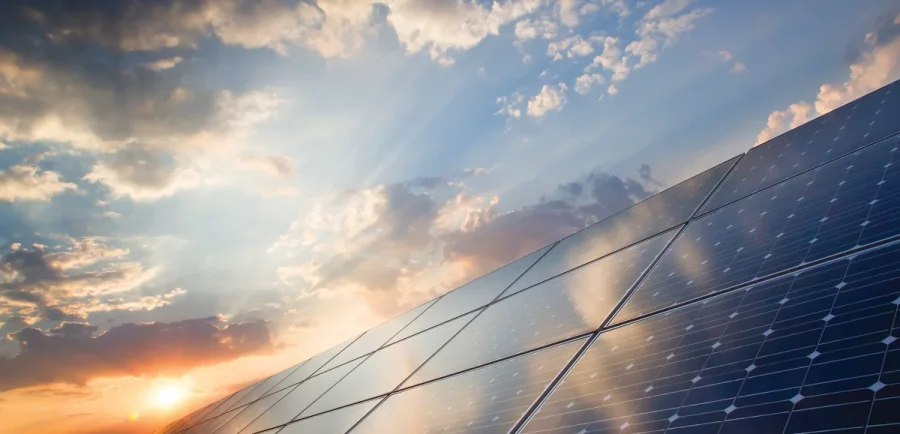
[{"x": 71, "y": 353}]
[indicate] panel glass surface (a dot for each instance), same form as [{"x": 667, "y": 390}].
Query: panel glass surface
[
  {"x": 384, "y": 370},
  {"x": 251, "y": 412},
  {"x": 576, "y": 302},
  {"x": 333, "y": 422},
  {"x": 809, "y": 352},
  {"x": 230, "y": 403},
  {"x": 266, "y": 386},
  {"x": 376, "y": 337},
  {"x": 470, "y": 296},
  {"x": 859, "y": 123},
  {"x": 665, "y": 210},
  {"x": 200, "y": 415},
  {"x": 278, "y": 381},
  {"x": 849, "y": 202},
  {"x": 486, "y": 400},
  {"x": 312, "y": 366},
  {"x": 299, "y": 398}
]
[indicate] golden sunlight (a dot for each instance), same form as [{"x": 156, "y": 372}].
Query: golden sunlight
[{"x": 169, "y": 395}]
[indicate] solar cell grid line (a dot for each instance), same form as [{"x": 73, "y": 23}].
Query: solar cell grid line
[
  {"x": 574, "y": 303},
  {"x": 809, "y": 351},
  {"x": 377, "y": 336},
  {"x": 242, "y": 418},
  {"x": 332, "y": 422},
  {"x": 264, "y": 388},
  {"x": 310, "y": 368},
  {"x": 300, "y": 397},
  {"x": 845, "y": 205},
  {"x": 280, "y": 379},
  {"x": 386, "y": 369},
  {"x": 485, "y": 400},
  {"x": 228, "y": 405},
  {"x": 473, "y": 295},
  {"x": 201, "y": 414},
  {"x": 658, "y": 213},
  {"x": 850, "y": 127}
]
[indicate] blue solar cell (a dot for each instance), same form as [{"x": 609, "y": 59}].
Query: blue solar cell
[
  {"x": 298, "y": 398},
  {"x": 337, "y": 421},
  {"x": 486, "y": 400},
  {"x": 663, "y": 211},
  {"x": 470, "y": 296},
  {"x": 850, "y": 202},
  {"x": 859, "y": 123},
  {"x": 376, "y": 337},
  {"x": 385, "y": 369},
  {"x": 804, "y": 352},
  {"x": 574, "y": 303}
]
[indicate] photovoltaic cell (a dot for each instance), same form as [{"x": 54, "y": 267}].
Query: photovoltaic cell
[
  {"x": 229, "y": 404},
  {"x": 842, "y": 205},
  {"x": 574, "y": 303},
  {"x": 808, "y": 352},
  {"x": 859, "y": 123},
  {"x": 338, "y": 421},
  {"x": 298, "y": 399},
  {"x": 266, "y": 386},
  {"x": 663, "y": 211},
  {"x": 486, "y": 400},
  {"x": 376, "y": 337},
  {"x": 384, "y": 370},
  {"x": 311, "y": 366},
  {"x": 251, "y": 412},
  {"x": 470, "y": 296}
]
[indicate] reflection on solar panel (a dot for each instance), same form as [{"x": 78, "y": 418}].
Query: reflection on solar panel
[
  {"x": 774, "y": 308},
  {"x": 663, "y": 211},
  {"x": 805, "y": 352},
  {"x": 859, "y": 123},
  {"x": 842, "y": 205}
]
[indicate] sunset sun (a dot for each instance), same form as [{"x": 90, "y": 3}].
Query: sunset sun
[{"x": 169, "y": 396}]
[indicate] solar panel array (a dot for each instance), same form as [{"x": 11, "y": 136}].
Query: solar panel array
[{"x": 761, "y": 295}]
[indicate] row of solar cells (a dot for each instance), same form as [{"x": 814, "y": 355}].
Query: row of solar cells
[{"x": 768, "y": 303}]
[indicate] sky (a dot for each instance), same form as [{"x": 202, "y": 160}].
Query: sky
[{"x": 198, "y": 193}]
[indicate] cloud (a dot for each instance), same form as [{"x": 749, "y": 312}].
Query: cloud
[
  {"x": 584, "y": 82},
  {"x": 397, "y": 245},
  {"x": 71, "y": 353},
  {"x": 29, "y": 182},
  {"x": 738, "y": 68},
  {"x": 543, "y": 28},
  {"x": 511, "y": 105},
  {"x": 612, "y": 89},
  {"x": 661, "y": 27},
  {"x": 876, "y": 65},
  {"x": 611, "y": 59},
  {"x": 726, "y": 55},
  {"x": 550, "y": 98},
  {"x": 574, "y": 46},
  {"x": 142, "y": 174},
  {"x": 162, "y": 64},
  {"x": 84, "y": 269},
  {"x": 274, "y": 165}
]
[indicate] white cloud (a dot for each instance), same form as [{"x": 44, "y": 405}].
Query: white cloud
[
  {"x": 28, "y": 182},
  {"x": 877, "y": 66},
  {"x": 568, "y": 12},
  {"x": 550, "y": 98},
  {"x": 584, "y": 82},
  {"x": 162, "y": 64},
  {"x": 738, "y": 68},
  {"x": 511, "y": 105},
  {"x": 726, "y": 55},
  {"x": 612, "y": 89},
  {"x": 528, "y": 29},
  {"x": 612, "y": 59},
  {"x": 661, "y": 27},
  {"x": 275, "y": 165}
]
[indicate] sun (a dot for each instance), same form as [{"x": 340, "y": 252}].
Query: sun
[{"x": 169, "y": 396}]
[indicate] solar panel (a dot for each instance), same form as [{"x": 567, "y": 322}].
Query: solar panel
[
  {"x": 663, "y": 211},
  {"x": 337, "y": 421},
  {"x": 243, "y": 417},
  {"x": 470, "y": 296},
  {"x": 859, "y": 123},
  {"x": 486, "y": 400},
  {"x": 812, "y": 351},
  {"x": 229, "y": 403},
  {"x": 376, "y": 337},
  {"x": 385, "y": 369},
  {"x": 266, "y": 386},
  {"x": 286, "y": 409},
  {"x": 576, "y": 302},
  {"x": 842, "y": 205}
]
